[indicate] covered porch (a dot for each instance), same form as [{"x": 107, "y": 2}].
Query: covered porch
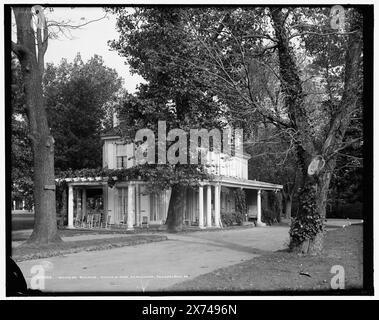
[
  {"x": 93, "y": 204},
  {"x": 128, "y": 204},
  {"x": 87, "y": 203},
  {"x": 213, "y": 199}
]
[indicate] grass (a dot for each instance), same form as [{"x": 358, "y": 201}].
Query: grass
[
  {"x": 23, "y": 236},
  {"x": 29, "y": 251},
  {"x": 286, "y": 271}
]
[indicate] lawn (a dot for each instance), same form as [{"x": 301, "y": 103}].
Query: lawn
[
  {"x": 285, "y": 271},
  {"x": 29, "y": 251}
]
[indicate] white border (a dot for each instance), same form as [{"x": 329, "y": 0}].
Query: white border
[{"x": 207, "y": 298}]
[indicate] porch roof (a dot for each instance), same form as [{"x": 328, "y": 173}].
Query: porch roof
[
  {"x": 84, "y": 181},
  {"x": 247, "y": 184},
  {"x": 222, "y": 180}
]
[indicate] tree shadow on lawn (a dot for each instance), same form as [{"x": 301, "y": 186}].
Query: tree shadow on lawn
[
  {"x": 223, "y": 244},
  {"x": 286, "y": 271}
]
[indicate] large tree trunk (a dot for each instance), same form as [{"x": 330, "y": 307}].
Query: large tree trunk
[
  {"x": 32, "y": 67},
  {"x": 174, "y": 219},
  {"x": 294, "y": 101},
  {"x": 45, "y": 225},
  {"x": 64, "y": 209},
  {"x": 288, "y": 207},
  {"x": 315, "y": 245}
]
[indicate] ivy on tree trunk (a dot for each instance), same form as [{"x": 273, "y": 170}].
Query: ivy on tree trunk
[{"x": 306, "y": 233}]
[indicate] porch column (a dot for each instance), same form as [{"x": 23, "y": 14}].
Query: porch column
[
  {"x": 78, "y": 204},
  {"x": 84, "y": 202},
  {"x": 131, "y": 209},
  {"x": 217, "y": 206},
  {"x": 70, "y": 207},
  {"x": 117, "y": 209},
  {"x": 201, "y": 208},
  {"x": 138, "y": 206},
  {"x": 259, "y": 209},
  {"x": 209, "y": 205}
]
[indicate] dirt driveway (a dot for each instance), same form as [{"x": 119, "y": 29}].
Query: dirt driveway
[{"x": 153, "y": 266}]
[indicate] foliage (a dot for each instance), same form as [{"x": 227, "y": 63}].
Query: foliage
[
  {"x": 346, "y": 186},
  {"x": 84, "y": 173},
  {"x": 232, "y": 218},
  {"x": 240, "y": 198},
  {"x": 78, "y": 98},
  {"x": 159, "y": 177},
  {"x": 308, "y": 222},
  {"x": 268, "y": 215},
  {"x": 29, "y": 40},
  {"x": 151, "y": 39},
  {"x": 345, "y": 210},
  {"x": 21, "y": 152},
  {"x": 273, "y": 204},
  {"x": 280, "y": 71}
]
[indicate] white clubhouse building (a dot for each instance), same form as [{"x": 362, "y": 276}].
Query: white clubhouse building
[{"x": 128, "y": 204}]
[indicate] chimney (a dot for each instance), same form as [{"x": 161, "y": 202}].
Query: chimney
[{"x": 115, "y": 118}]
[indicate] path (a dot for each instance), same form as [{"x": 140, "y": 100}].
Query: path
[{"x": 158, "y": 265}]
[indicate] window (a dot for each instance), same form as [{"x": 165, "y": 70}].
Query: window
[
  {"x": 158, "y": 207},
  {"x": 121, "y": 162}
]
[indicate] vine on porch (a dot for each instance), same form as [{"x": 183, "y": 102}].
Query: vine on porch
[
  {"x": 160, "y": 176},
  {"x": 239, "y": 216}
]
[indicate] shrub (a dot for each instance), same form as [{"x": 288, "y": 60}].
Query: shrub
[
  {"x": 347, "y": 210},
  {"x": 227, "y": 218},
  {"x": 231, "y": 218},
  {"x": 268, "y": 215},
  {"x": 240, "y": 198},
  {"x": 239, "y": 218}
]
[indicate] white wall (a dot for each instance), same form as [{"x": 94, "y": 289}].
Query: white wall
[
  {"x": 220, "y": 163},
  {"x": 112, "y": 149}
]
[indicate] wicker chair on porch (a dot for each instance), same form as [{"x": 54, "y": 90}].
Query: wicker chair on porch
[
  {"x": 145, "y": 222},
  {"x": 89, "y": 220},
  {"x": 78, "y": 221},
  {"x": 105, "y": 223},
  {"x": 96, "y": 220}
]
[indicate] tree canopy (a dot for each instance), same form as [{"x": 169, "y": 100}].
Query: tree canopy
[
  {"x": 279, "y": 72},
  {"x": 78, "y": 95}
]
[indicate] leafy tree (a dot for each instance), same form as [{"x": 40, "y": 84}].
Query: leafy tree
[
  {"x": 179, "y": 94},
  {"x": 78, "y": 96},
  {"x": 285, "y": 68},
  {"x": 33, "y": 31},
  {"x": 273, "y": 159},
  {"x": 253, "y": 39},
  {"x": 21, "y": 156},
  {"x": 331, "y": 138},
  {"x": 30, "y": 49}
]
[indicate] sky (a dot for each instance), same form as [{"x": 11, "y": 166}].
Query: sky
[{"x": 89, "y": 40}]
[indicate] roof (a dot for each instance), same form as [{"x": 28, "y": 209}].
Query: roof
[
  {"x": 113, "y": 132},
  {"x": 245, "y": 183},
  {"x": 224, "y": 181}
]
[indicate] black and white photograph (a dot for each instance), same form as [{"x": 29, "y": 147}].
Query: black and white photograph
[{"x": 188, "y": 149}]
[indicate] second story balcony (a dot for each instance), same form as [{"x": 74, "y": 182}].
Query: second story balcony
[{"x": 117, "y": 155}]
